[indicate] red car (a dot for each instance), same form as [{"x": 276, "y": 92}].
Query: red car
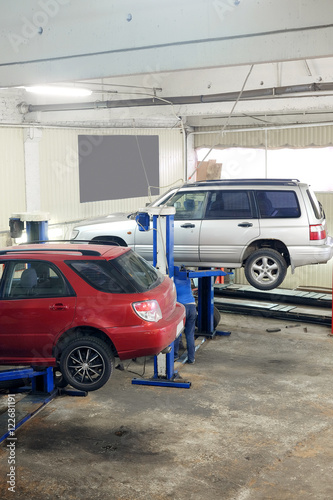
[{"x": 77, "y": 307}]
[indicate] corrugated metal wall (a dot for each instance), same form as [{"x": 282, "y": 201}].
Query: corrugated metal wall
[
  {"x": 276, "y": 138},
  {"x": 60, "y": 172},
  {"x": 12, "y": 197}
]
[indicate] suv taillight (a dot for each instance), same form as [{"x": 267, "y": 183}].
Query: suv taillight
[
  {"x": 317, "y": 232},
  {"x": 149, "y": 310}
]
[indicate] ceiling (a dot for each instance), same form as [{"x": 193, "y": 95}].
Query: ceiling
[{"x": 195, "y": 64}]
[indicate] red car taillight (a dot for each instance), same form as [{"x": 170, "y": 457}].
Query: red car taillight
[
  {"x": 317, "y": 232},
  {"x": 149, "y": 310}
]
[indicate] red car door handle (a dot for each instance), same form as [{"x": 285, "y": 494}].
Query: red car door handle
[{"x": 58, "y": 307}]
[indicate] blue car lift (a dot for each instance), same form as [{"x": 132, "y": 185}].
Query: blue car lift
[
  {"x": 42, "y": 389},
  {"x": 165, "y": 374},
  {"x": 41, "y": 392}
]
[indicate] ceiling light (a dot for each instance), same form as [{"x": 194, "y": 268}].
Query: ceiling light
[{"x": 59, "y": 91}]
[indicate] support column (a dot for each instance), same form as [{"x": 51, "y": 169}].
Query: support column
[
  {"x": 32, "y": 136},
  {"x": 191, "y": 156}
]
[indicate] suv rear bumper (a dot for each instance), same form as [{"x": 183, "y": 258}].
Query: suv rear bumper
[{"x": 304, "y": 255}]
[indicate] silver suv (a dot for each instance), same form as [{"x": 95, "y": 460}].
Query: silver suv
[{"x": 263, "y": 225}]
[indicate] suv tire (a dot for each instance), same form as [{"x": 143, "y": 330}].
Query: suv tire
[
  {"x": 265, "y": 269},
  {"x": 86, "y": 363}
]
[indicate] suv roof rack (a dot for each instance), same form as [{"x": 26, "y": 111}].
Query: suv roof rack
[
  {"x": 235, "y": 182},
  {"x": 91, "y": 242},
  {"x": 65, "y": 250}
]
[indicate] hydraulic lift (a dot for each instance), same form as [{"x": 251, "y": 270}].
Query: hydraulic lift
[{"x": 165, "y": 374}]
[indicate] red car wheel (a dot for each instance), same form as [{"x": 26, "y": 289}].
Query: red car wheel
[{"x": 86, "y": 363}]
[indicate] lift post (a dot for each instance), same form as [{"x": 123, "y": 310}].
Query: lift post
[
  {"x": 163, "y": 259},
  {"x": 36, "y": 224},
  {"x": 205, "y": 299},
  {"x": 163, "y": 244}
]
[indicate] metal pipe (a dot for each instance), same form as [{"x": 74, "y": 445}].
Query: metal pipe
[
  {"x": 266, "y": 148},
  {"x": 180, "y": 100},
  {"x": 260, "y": 129}
]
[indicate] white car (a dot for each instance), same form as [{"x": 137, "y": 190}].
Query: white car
[{"x": 263, "y": 225}]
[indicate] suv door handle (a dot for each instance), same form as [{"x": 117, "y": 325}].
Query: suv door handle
[
  {"x": 58, "y": 307},
  {"x": 188, "y": 224},
  {"x": 245, "y": 224}
]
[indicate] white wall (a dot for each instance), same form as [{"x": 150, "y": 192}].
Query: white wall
[
  {"x": 57, "y": 155},
  {"x": 59, "y": 171},
  {"x": 12, "y": 175}
]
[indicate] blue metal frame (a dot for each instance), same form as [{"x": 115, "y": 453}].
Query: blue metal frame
[
  {"x": 154, "y": 240},
  {"x": 42, "y": 390},
  {"x": 169, "y": 364},
  {"x": 205, "y": 306},
  {"x": 171, "y": 378},
  {"x": 163, "y": 382},
  {"x": 170, "y": 222},
  {"x": 205, "y": 299},
  {"x": 42, "y": 387},
  {"x": 37, "y": 230},
  {"x": 43, "y": 402},
  {"x": 45, "y": 382}
]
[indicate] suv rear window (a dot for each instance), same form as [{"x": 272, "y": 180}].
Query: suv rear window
[
  {"x": 281, "y": 204},
  {"x": 317, "y": 208},
  {"x": 128, "y": 273}
]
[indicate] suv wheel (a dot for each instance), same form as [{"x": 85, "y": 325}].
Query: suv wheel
[
  {"x": 265, "y": 269},
  {"x": 86, "y": 363}
]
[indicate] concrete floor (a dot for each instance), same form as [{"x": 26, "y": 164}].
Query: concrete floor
[{"x": 256, "y": 424}]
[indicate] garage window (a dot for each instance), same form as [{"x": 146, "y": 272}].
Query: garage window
[{"x": 309, "y": 165}]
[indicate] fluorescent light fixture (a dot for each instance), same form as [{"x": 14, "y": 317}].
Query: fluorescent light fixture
[{"x": 59, "y": 91}]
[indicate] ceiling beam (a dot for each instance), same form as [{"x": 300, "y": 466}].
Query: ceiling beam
[{"x": 61, "y": 40}]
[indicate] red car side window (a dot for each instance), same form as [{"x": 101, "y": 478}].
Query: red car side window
[{"x": 33, "y": 279}]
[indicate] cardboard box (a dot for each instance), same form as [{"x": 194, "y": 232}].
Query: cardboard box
[{"x": 209, "y": 170}]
